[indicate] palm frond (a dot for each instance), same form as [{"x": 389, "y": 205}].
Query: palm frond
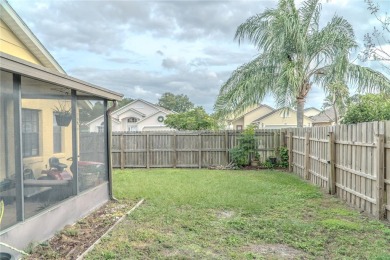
[
  {"x": 368, "y": 80},
  {"x": 247, "y": 86},
  {"x": 310, "y": 16}
]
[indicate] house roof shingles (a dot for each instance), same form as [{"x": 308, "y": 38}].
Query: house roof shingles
[{"x": 325, "y": 116}]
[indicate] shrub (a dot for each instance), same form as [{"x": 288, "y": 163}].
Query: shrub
[
  {"x": 240, "y": 154},
  {"x": 283, "y": 153},
  {"x": 268, "y": 164}
]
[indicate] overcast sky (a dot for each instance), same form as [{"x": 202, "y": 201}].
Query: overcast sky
[{"x": 145, "y": 48}]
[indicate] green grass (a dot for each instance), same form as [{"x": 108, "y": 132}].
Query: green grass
[{"x": 204, "y": 214}]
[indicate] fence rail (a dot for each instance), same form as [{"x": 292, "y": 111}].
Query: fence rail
[
  {"x": 185, "y": 149},
  {"x": 349, "y": 161}
]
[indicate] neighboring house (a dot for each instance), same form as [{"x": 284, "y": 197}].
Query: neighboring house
[
  {"x": 264, "y": 116},
  {"x": 281, "y": 118},
  {"x": 326, "y": 117},
  {"x": 311, "y": 111},
  {"x": 32, "y": 85},
  {"x": 138, "y": 115},
  {"x": 247, "y": 118}
]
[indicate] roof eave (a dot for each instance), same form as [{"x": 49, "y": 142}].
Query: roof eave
[{"x": 22, "y": 67}]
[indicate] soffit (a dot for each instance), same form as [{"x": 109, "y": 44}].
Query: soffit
[{"x": 24, "y": 68}]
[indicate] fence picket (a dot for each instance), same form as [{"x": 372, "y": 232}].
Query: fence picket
[{"x": 351, "y": 161}]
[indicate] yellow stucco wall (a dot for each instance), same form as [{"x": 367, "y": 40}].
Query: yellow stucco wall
[
  {"x": 46, "y": 143},
  {"x": 11, "y": 45},
  {"x": 251, "y": 116},
  {"x": 256, "y": 114},
  {"x": 238, "y": 122},
  {"x": 6, "y": 130},
  {"x": 277, "y": 120}
]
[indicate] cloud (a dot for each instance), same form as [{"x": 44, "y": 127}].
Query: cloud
[
  {"x": 145, "y": 48},
  {"x": 200, "y": 85},
  {"x": 103, "y": 26},
  {"x": 174, "y": 63}
]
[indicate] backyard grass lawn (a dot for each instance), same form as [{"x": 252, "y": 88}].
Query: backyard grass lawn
[{"x": 206, "y": 214}]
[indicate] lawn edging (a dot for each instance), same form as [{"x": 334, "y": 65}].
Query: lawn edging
[{"x": 139, "y": 203}]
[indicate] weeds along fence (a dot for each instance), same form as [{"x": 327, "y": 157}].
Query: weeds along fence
[
  {"x": 349, "y": 161},
  {"x": 185, "y": 149}
]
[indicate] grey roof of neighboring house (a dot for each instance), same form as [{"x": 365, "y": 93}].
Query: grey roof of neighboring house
[
  {"x": 325, "y": 116},
  {"x": 312, "y": 108}
]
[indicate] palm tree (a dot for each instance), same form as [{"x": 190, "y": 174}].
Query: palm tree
[
  {"x": 294, "y": 54},
  {"x": 336, "y": 99}
]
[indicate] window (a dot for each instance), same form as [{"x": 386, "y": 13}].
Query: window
[
  {"x": 132, "y": 120},
  {"x": 239, "y": 127},
  {"x": 101, "y": 128},
  {"x": 57, "y": 136},
  {"x": 30, "y": 132}
]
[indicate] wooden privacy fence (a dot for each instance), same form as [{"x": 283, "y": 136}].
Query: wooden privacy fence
[
  {"x": 350, "y": 161},
  {"x": 185, "y": 149}
]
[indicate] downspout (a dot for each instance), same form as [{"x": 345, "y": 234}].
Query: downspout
[{"x": 109, "y": 145}]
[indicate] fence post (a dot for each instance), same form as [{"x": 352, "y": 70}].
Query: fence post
[
  {"x": 290, "y": 151},
  {"x": 200, "y": 151},
  {"x": 275, "y": 144},
  {"x": 380, "y": 176},
  {"x": 331, "y": 162},
  {"x": 282, "y": 138},
  {"x": 122, "y": 152},
  {"x": 174, "y": 150},
  {"x": 147, "y": 151},
  {"x": 226, "y": 147},
  {"x": 307, "y": 155}
]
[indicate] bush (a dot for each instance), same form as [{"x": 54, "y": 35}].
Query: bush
[
  {"x": 283, "y": 153},
  {"x": 368, "y": 108},
  {"x": 240, "y": 154},
  {"x": 268, "y": 164}
]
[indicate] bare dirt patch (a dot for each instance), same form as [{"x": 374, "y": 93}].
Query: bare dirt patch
[
  {"x": 224, "y": 214},
  {"x": 276, "y": 251},
  {"x": 73, "y": 240}
]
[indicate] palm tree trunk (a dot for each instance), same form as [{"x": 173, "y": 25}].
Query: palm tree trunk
[
  {"x": 300, "y": 107},
  {"x": 336, "y": 116}
]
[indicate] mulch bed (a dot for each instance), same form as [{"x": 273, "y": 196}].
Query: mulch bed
[{"x": 73, "y": 240}]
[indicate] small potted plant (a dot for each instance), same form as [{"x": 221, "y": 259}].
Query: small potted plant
[
  {"x": 256, "y": 159},
  {"x": 272, "y": 159},
  {"x": 63, "y": 114}
]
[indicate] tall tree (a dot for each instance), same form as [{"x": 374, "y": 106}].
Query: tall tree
[
  {"x": 194, "y": 119},
  {"x": 125, "y": 101},
  {"x": 295, "y": 54},
  {"x": 178, "y": 103},
  {"x": 337, "y": 99},
  {"x": 367, "y": 108},
  {"x": 375, "y": 42}
]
